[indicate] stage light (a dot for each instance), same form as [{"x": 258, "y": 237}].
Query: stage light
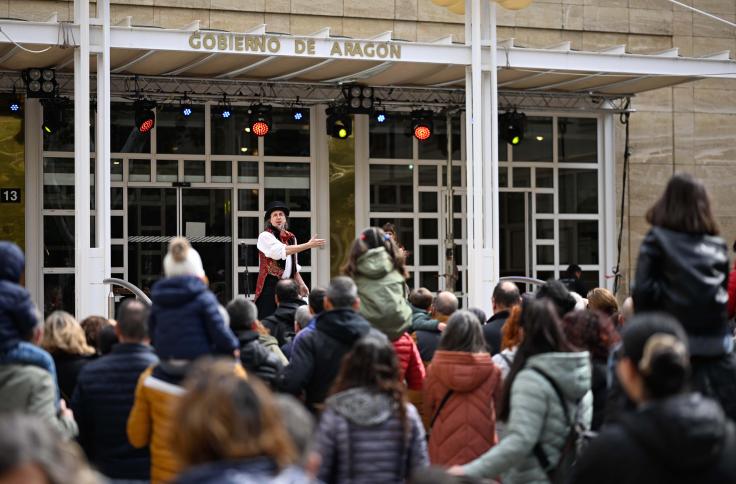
[
  {"x": 259, "y": 119},
  {"x": 298, "y": 114},
  {"x": 359, "y": 99},
  {"x": 53, "y": 116},
  {"x": 223, "y": 109},
  {"x": 381, "y": 116},
  {"x": 145, "y": 118},
  {"x": 339, "y": 123},
  {"x": 511, "y": 127},
  {"x": 40, "y": 82},
  {"x": 185, "y": 106},
  {"x": 14, "y": 104},
  {"x": 421, "y": 124}
]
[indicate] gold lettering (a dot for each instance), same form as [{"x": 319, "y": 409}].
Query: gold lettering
[
  {"x": 221, "y": 42},
  {"x": 300, "y": 46},
  {"x": 382, "y": 51},
  {"x": 369, "y": 49},
  {"x": 395, "y": 51},
  {"x": 353, "y": 49},
  {"x": 195, "y": 42},
  {"x": 239, "y": 43},
  {"x": 310, "y": 47},
  {"x": 208, "y": 41},
  {"x": 274, "y": 44},
  {"x": 260, "y": 43},
  {"x": 336, "y": 49}
]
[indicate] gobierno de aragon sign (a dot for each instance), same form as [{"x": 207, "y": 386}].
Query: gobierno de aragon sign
[{"x": 271, "y": 44}]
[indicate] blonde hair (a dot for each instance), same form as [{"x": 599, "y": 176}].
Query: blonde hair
[
  {"x": 62, "y": 333},
  {"x": 224, "y": 417},
  {"x": 179, "y": 247}
]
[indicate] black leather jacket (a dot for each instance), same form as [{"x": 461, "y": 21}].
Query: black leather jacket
[
  {"x": 685, "y": 275},
  {"x": 257, "y": 359}
]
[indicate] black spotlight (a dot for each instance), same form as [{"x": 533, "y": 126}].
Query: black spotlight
[
  {"x": 224, "y": 109},
  {"x": 422, "y": 125},
  {"x": 380, "y": 116},
  {"x": 145, "y": 118},
  {"x": 40, "y": 82},
  {"x": 259, "y": 119},
  {"x": 14, "y": 104},
  {"x": 339, "y": 123},
  {"x": 53, "y": 115},
  {"x": 185, "y": 106},
  {"x": 299, "y": 114},
  {"x": 511, "y": 127},
  {"x": 359, "y": 99}
]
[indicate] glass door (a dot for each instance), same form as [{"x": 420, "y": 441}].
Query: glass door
[
  {"x": 203, "y": 215},
  {"x": 206, "y": 220},
  {"x": 515, "y": 236}
]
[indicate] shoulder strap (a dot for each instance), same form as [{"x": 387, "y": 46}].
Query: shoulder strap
[
  {"x": 539, "y": 452},
  {"x": 439, "y": 409},
  {"x": 506, "y": 359}
]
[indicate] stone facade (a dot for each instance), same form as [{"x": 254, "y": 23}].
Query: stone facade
[{"x": 687, "y": 128}]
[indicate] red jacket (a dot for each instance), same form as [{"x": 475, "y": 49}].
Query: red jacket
[
  {"x": 410, "y": 362},
  {"x": 465, "y": 427},
  {"x": 732, "y": 293}
]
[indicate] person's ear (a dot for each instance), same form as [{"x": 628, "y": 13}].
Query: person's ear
[
  {"x": 328, "y": 304},
  {"x": 312, "y": 465},
  {"x": 356, "y": 304},
  {"x": 117, "y": 331}
]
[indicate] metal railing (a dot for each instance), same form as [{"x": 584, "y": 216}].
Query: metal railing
[
  {"x": 522, "y": 280},
  {"x": 137, "y": 292}
]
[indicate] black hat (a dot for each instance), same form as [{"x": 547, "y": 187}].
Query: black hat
[{"x": 276, "y": 206}]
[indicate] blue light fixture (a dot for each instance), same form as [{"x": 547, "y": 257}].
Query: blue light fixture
[
  {"x": 185, "y": 106},
  {"x": 381, "y": 116},
  {"x": 298, "y": 114}
]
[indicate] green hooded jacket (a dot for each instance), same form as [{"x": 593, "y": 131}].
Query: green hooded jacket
[{"x": 382, "y": 292}]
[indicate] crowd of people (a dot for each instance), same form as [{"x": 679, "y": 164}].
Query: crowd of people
[{"x": 365, "y": 381}]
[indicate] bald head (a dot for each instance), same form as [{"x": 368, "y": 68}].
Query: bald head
[
  {"x": 445, "y": 304},
  {"x": 627, "y": 309},
  {"x": 505, "y": 296}
]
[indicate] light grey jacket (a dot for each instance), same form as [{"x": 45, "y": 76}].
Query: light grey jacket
[
  {"x": 32, "y": 390},
  {"x": 536, "y": 416}
]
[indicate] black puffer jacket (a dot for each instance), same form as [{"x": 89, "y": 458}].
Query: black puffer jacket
[
  {"x": 258, "y": 360},
  {"x": 362, "y": 440},
  {"x": 686, "y": 275},
  {"x": 316, "y": 359},
  {"x": 281, "y": 323},
  {"x": 681, "y": 440}
]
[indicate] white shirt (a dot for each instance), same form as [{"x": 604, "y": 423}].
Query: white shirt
[{"x": 276, "y": 250}]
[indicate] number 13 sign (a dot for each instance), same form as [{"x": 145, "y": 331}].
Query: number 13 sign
[{"x": 9, "y": 195}]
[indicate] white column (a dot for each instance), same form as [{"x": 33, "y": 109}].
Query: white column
[
  {"x": 83, "y": 276},
  {"x": 608, "y": 191},
  {"x": 33, "y": 199},
  {"x": 320, "y": 193},
  {"x": 101, "y": 293}
]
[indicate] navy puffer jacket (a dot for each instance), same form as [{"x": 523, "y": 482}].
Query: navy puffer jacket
[
  {"x": 362, "y": 440},
  {"x": 18, "y": 315},
  {"x": 186, "y": 322},
  {"x": 101, "y": 403}
]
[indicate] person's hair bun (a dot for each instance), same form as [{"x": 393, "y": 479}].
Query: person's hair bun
[
  {"x": 665, "y": 365},
  {"x": 179, "y": 248}
]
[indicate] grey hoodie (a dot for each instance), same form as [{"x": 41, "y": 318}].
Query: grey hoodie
[
  {"x": 536, "y": 416},
  {"x": 361, "y": 440}
]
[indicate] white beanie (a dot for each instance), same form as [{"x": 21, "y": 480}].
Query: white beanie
[{"x": 182, "y": 259}]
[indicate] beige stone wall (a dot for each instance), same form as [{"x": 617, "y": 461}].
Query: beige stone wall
[{"x": 689, "y": 128}]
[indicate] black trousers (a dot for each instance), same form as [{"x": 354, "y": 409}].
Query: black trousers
[{"x": 266, "y": 302}]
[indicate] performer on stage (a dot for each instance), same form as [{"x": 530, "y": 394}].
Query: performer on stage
[{"x": 277, "y": 250}]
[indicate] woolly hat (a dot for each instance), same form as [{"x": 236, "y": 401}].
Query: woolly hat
[{"x": 182, "y": 259}]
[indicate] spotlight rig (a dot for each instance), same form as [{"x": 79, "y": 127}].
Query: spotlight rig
[
  {"x": 422, "y": 124},
  {"x": 259, "y": 119},
  {"x": 40, "y": 82},
  {"x": 511, "y": 127},
  {"x": 145, "y": 118},
  {"x": 358, "y": 99},
  {"x": 185, "y": 106},
  {"x": 339, "y": 122}
]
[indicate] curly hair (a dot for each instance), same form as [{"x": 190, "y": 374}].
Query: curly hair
[
  {"x": 591, "y": 331},
  {"x": 372, "y": 238},
  {"x": 63, "y": 334}
]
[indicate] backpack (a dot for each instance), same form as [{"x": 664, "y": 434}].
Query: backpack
[{"x": 576, "y": 439}]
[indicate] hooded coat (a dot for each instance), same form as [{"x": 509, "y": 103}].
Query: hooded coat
[
  {"x": 362, "y": 440},
  {"x": 18, "y": 315},
  {"x": 536, "y": 416},
  {"x": 465, "y": 426},
  {"x": 316, "y": 359},
  {"x": 382, "y": 293},
  {"x": 281, "y": 323},
  {"x": 257, "y": 359},
  {"x": 680, "y": 440},
  {"x": 185, "y": 321}
]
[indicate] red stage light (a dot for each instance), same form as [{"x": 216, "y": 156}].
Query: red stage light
[
  {"x": 146, "y": 126},
  {"x": 422, "y": 132},
  {"x": 260, "y": 128}
]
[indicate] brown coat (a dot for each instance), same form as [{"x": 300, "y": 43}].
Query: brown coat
[{"x": 466, "y": 426}]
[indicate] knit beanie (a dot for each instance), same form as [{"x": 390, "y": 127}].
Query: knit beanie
[{"x": 182, "y": 259}]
